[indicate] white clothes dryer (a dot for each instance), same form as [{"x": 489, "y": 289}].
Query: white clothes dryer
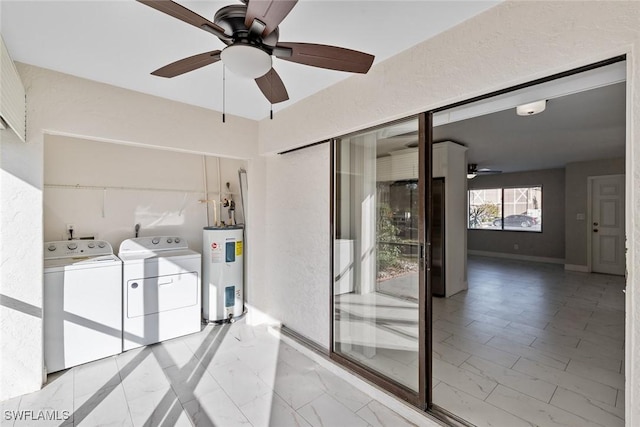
[
  {"x": 82, "y": 303},
  {"x": 161, "y": 290}
]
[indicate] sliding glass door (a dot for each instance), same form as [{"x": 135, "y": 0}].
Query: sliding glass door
[{"x": 378, "y": 262}]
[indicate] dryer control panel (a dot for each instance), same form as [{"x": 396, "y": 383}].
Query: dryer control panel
[
  {"x": 155, "y": 243},
  {"x": 76, "y": 248}
]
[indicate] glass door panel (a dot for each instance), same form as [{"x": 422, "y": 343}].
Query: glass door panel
[{"x": 376, "y": 252}]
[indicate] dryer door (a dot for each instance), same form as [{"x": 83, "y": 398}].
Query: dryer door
[{"x": 151, "y": 295}]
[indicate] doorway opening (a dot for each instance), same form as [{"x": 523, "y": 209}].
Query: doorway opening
[
  {"x": 538, "y": 335},
  {"x": 485, "y": 307}
]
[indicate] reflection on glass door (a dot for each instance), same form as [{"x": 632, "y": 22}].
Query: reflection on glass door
[{"x": 376, "y": 253}]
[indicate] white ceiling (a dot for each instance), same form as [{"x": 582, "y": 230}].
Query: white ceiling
[
  {"x": 120, "y": 42},
  {"x": 584, "y": 126},
  {"x": 584, "y": 119}
]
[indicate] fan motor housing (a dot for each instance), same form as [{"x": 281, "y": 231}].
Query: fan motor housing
[{"x": 231, "y": 19}]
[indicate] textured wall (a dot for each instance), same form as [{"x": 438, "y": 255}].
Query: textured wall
[
  {"x": 20, "y": 265},
  {"x": 258, "y": 288},
  {"x": 296, "y": 244},
  {"x": 576, "y": 202},
  {"x": 548, "y": 244},
  {"x": 158, "y": 189},
  {"x": 512, "y": 43},
  {"x": 64, "y": 104}
]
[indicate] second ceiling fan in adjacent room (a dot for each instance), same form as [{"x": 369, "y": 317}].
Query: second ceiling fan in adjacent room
[{"x": 473, "y": 171}]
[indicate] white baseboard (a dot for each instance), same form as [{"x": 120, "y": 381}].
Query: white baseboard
[
  {"x": 574, "y": 267},
  {"x": 516, "y": 256}
]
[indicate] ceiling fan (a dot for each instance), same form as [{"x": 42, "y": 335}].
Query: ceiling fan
[
  {"x": 473, "y": 171},
  {"x": 251, "y": 34}
]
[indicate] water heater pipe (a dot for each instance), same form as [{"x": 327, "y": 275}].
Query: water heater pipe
[
  {"x": 219, "y": 192},
  {"x": 206, "y": 187}
]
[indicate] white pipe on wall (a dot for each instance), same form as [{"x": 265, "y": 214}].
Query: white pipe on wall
[
  {"x": 104, "y": 188},
  {"x": 219, "y": 192},
  {"x": 206, "y": 187}
]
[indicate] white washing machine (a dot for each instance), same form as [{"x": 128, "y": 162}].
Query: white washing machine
[
  {"x": 161, "y": 290},
  {"x": 82, "y": 303}
]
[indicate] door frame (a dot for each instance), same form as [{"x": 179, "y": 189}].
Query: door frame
[
  {"x": 424, "y": 399},
  {"x": 421, "y": 399},
  {"x": 590, "y": 180},
  {"x": 425, "y": 301}
]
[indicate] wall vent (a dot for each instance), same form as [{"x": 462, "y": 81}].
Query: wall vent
[{"x": 12, "y": 96}]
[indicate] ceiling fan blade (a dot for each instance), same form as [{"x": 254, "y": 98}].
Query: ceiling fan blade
[
  {"x": 269, "y": 12},
  {"x": 180, "y": 12},
  {"x": 188, "y": 64},
  {"x": 272, "y": 87},
  {"x": 323, "y": 56}
]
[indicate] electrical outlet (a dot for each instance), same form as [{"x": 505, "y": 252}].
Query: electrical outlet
[
  {"x": 516, "y": 247},
  {"x": 69, "y": 231}
]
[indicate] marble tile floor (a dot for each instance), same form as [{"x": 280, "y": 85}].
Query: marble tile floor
[
  {"x": 527, "y": 344},
  {"x": 231, "y": 375},
  {"x": 532, "y": 341}
]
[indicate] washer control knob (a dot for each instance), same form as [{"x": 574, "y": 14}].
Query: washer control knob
[
  {"x": 91, "y": 245},
  {"x": 155, "y": 241},
  {"x": 169, "y": 240},
  {"x": 101, "y": 245},
  {"x": 52, "y": 248},
  {"x": 72, "y": 246},
  {"x": 177, "y": 240}
]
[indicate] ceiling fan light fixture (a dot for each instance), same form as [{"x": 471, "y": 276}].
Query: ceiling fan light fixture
[
  {"x": 531, "y": 108},
  {"x": 246, "y": 60}
]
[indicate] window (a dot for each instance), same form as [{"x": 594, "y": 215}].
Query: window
[{"x": 507, "y": 209}]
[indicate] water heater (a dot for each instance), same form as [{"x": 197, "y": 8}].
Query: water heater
[{"x": 222, "y": 273}]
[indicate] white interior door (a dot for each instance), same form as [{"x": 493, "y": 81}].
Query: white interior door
[{"x": 607, "y": 225}]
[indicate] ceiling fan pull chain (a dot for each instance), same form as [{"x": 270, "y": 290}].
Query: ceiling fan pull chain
[
  {"x": 270, "y": 102},
  {"x": 224, "y": 97}
]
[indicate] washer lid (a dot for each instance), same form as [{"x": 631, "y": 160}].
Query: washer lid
[{"x": 81, "y": 262}]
